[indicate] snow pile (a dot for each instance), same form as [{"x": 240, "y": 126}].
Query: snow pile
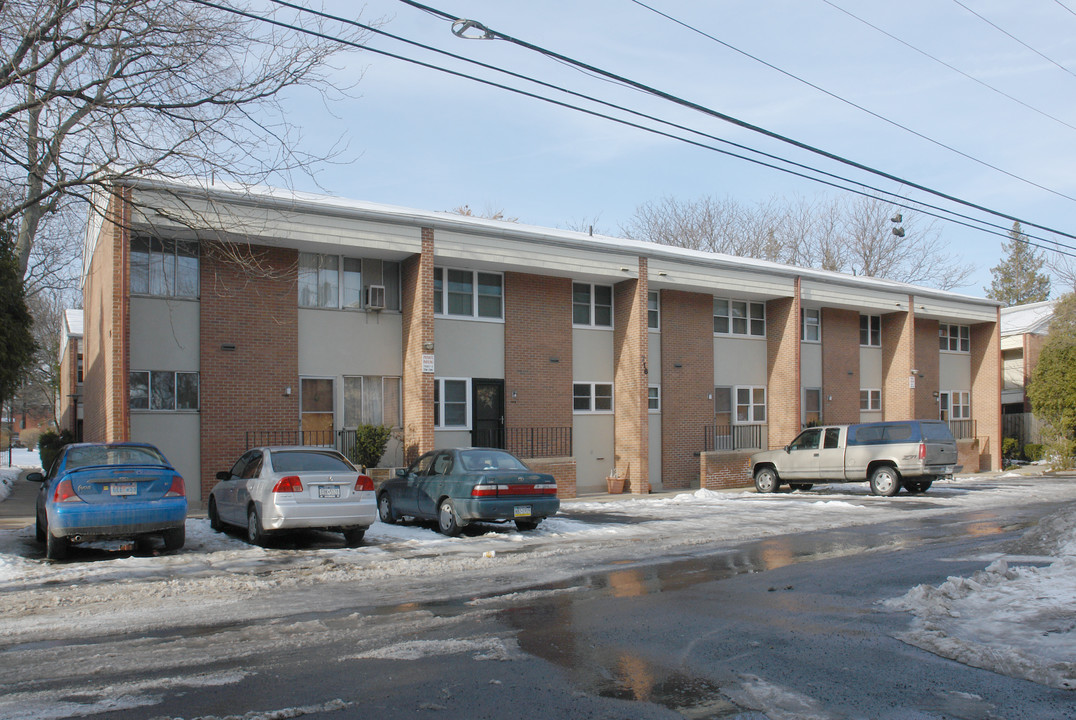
[
  {"x": 1014, "y": 620},
  {"x": 8, "y": 476}
]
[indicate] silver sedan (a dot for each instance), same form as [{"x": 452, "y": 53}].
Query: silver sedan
[{"x": 271, "y": 489}]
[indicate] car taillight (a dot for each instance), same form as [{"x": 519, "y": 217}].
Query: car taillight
[
  {"x": 922, "y": 451},
  {"x": 177, "y": 489},
  {"x": 498, "y": 490},
  {"x": 291, "y": 483},
  {"x": 65, "y": 493},
  {"x": 484, "y": 491},
  {"x": 365, "y": 483}
]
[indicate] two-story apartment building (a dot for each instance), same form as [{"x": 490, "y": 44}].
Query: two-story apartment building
[{"x": 217, "y": 318}]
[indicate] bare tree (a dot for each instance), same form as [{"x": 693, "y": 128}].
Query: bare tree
[
  {"x": 489, "y": 213},
  {"x": 94, "y": 92}
]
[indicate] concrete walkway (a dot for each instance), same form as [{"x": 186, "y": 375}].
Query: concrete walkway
[{"x": 18, "y": 510}]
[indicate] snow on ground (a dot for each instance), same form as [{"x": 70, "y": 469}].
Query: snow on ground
[
  {"x": 9, "y": 473},
  {"x": 1014, "y": 619}
]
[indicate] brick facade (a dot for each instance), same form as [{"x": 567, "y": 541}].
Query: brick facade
[
  {"x": 783, "y": 369},
  {"x": 840, "y": 366},
  {"x": 986, "y": 390},
  {"x": 416, "y": 285},
  {"x": 630, "y": 351},
  {"x": 927, "y": 362},
  {"x": 67, "y": 416},
  {"x": 246, "y": 388},
  {"x": 721, "y": 470},
  {"x": 898, "y": 354},
  {"x": 687, "y": 383}
]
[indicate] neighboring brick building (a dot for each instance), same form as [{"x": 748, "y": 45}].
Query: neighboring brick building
[
  {"x": 69, "y": 398},
  {"x": 220, "y": 318}
]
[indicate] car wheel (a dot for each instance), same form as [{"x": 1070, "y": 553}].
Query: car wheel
[
  {"x": 255, "y": 534},
  {"x": 801, "y": 486},
  {"x": 40, "y": 529},
  {"x": 174, "y": 538},
  {"x": 214, "y": 516},
  {"x": 353, "y": 537},
  {"x": 885, "y": 481},
  {"x": 525, "y": 525},
  {"x": 55, "y": 547},
  {"x": 384, "y": 509},
  {"x": 917, "y": 486},
  {"x": 446, "y": 519},
  {"x": 766, "y": 480}
]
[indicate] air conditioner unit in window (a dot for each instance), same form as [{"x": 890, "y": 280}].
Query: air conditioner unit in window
[{"x": 375, "y": 297}]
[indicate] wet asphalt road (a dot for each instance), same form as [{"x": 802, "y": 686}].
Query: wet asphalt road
[{"x": 787, "y": 627}]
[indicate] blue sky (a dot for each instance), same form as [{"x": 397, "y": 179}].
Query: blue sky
[{"x": 421, "y": 139}]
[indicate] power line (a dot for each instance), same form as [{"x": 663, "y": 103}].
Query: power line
[
  {"x": 1065, "y": 6},
  {"x": 1013, "y": 37},
  {"x": 742, "y": 123}
]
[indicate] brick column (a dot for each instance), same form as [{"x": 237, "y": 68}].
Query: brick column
[
  {"x": 630, "y": 380},
  {"x": 898, "y": 354},
  {"x": 986, "y": 390},
  {"x": 417, "y": 309},
  {"x": 687, "y": 383},
  {"x": 927, "y": 362},
  {"x": 249, "y": 352},
  {"x": 783, "y": 369},
  {"x": 840, "y": 366}
]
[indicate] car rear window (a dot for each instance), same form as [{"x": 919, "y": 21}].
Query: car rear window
[
  {"x": 884, "y": 433},
  {"x": 937, "y": 432},
  {"x": 479, "y": 460},
  {"x": 309, "y": 461},
  {"x": 113, "y": 455}
]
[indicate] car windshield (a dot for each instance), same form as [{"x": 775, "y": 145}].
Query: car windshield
[
  {"x": 113, "y": 455},
  {"x": 309, "y": 460},
  {"x": 479, "y": 460}
]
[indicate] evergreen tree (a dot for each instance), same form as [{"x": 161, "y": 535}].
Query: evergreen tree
[
  {"x": 1052, "y": 390},
  {"x": 1018, "y": 279},
  {"x": 17, "y": 346}
]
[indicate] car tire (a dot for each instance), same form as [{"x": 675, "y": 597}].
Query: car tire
[
  {"x": 885, "y": 481},
  {"x": 353, "y": 538},
  {"x": 214, "y": 516},
  {"x": 39, "y": 529},
  {"x": 801, "y": 486},
  {"x": 916, "y": 487},
  {"x": 55, "y": 547},
  {"x": 766, "y": 480},
  {"x": 447, "y": 522},
  {"x": 255, "y": 534},
  {"x": 525, "y": 525},
  {"x": 174, "y": 538},
  {"x": 385, "y": 513}
]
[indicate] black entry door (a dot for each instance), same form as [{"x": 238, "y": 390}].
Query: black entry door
[{"x": 487, "y": 413}]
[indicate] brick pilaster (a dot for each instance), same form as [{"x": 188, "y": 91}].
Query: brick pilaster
[
  {"x": 840, "y": 366},
  {"x": 417, "y": 295},
  {"x": 986, "y": 390},
  {"x": 630, "y": 380},
  {"x": 898, "y": 354},
  {"x": 783, "y": 368},
  {"x": 928, "y": 363}
]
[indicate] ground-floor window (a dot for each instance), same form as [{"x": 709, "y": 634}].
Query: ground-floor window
[
  {"x": 452, "y": 403},
  {"x": 870, "y": 399},
  {"x": 372, "y": 400},
  {"x": 162, "y": 390},
  {"x": 592, "y": 397},
  {"x": 812, "y": 406},
  {"x": 750, "y": 405},
  {"x": 954, "y": 405}
]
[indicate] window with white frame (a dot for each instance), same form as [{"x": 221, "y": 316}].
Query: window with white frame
[
  {"x": 739, "y": 317},
  {"x": 336, "y": 281},
  {"x": 162, "y": 390},
  {"x": 452, "y": 403},
  {"x": 870, "y": 330},
  {"x": 750, "y": 405},
  {"x": 961, "y": 405},
  {"x": 468, "y": 293},
  {"x": 812, "y": 406},
  {"x": 592, "y": 305},
  {"x": 653, "y": 310},
  {"x": 592, "y": 397},
  {"x": 954, "y": 338},
  {"x": 372, "y": 400},
  {"x": 653, "y": 398},
  {"x": 811, "y": 327},
  {"x": 164, "y": 267},
  {"x": 870, "y": 399}
]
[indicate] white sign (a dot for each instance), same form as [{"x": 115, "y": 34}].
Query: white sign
[
  {"x": 911, "y": 381},
  {"x": 427, "y": 362}
]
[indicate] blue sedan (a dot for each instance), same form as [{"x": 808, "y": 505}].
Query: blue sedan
[
  {"x": 107, "y": 491},
  {"x": 456, "y": 487}
]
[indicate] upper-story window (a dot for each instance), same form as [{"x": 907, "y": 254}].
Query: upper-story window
[
  {"x": 78, "y": 371},
  {"x": 870, "y": 330},
  {"x": 592, "y": 305},
  {"x": 164, "y": 267},
  {"x": 811, "y": 327},
  {"x": 739, "y": 317},
  {"x": 954, "y": 338},
  {"x": 592, "y": 397},
  {"x": 468, "y": 293},
  {"x": 335, "y": 281},
  {"x": 653, "y": 310}
]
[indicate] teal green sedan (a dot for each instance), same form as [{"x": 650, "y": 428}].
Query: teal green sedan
[{"x": 457, "y": 487}]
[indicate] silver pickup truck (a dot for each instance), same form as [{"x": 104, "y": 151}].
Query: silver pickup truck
[{"x": 891, "y": 455}]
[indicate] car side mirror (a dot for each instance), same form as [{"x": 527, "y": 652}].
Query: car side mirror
[
  {"x": 223, "y": 475},
  {"x": 401, "y": 472},
  {"x": 35, "y": 477},
  {"x": 788, "y": 449}
]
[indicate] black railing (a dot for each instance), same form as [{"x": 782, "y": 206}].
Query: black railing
[
  {"x": 962, "y": 429},
  {"x": 732, "y": 437},
  {"x": 321, "y": 438},
  {"x": 527, "y": 442}
]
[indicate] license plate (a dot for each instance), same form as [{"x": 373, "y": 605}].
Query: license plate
[
  {"x": 328, "y": 491},
  {"x": 522, "y": 510},
  {"x": 123, "y": 488}
]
